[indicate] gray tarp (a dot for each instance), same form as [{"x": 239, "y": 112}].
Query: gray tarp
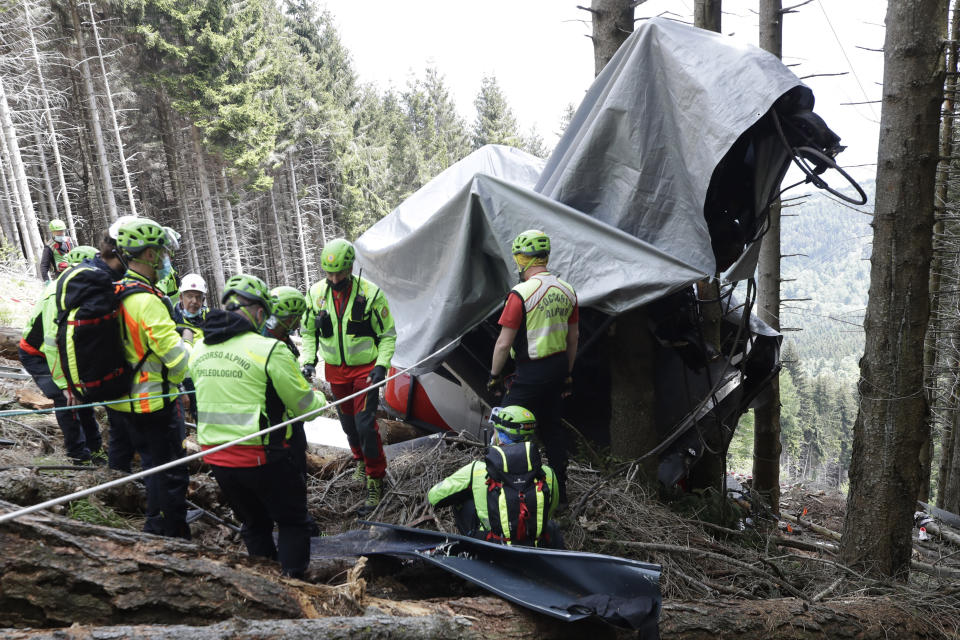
[
  {"x": 641, "y": 149},
  {"x": 638, "y": 156}
]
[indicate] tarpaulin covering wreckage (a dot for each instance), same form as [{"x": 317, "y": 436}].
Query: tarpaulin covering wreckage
[
  {"x": 662, "y": 179},
  {"x": 568, "y": 585}
]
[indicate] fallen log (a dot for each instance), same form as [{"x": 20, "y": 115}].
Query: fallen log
[
  {"x": 9, "y": 341},
  {"x": 26, "y": 487},
  {"x": 468, "y": 618},
  {"x": 55, "y": 572}
]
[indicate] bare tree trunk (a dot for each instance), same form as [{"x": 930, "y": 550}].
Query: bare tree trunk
[
  {"x": 113, "y": 114},
  {"x": 173, "y": 172},
  {"x": 50, "y": 200},
  {"x": 216, "y": 264},
  {"x": 93, "y": 115},
  {"x": 316, "y": 184},
  {"x": 766, "y": 434},
  {"x": 299, "y": 220},
  {"x": 27, "y": 214},
  {"x": 230, "y": 224},
  {"x": 706, "y": 14},
  {"x": 8, "y": 217},
  {"x": 612, "y": 25},
  {"x": 938, "y": 310},
  {"x": 48, "y": 113},
  {"x": 11, "y": 198},
  {"x": 279, "y": 244},
  {"x": 891, "y": 426}
]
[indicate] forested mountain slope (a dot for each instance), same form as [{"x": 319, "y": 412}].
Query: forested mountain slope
[{"x": 834, "y": 273}]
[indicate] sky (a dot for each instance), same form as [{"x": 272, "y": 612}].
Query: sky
[{"x": 542, "y": 57}]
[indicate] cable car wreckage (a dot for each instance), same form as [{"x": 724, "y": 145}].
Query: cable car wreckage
[{"x": 662, "y": 180}]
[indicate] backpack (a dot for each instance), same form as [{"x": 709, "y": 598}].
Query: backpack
[
  {"x": 89, "y": 338},
  {"x": 520, "y": 487}
]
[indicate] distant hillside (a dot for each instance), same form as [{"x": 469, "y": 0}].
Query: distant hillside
[{"x": 835, "y": 274}]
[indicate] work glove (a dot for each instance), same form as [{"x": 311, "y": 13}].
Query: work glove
[
  {"x": 377, "y": 375},
  {"x": 495, "y": 384},
  {"x": 308, "y": 371},
  {"x": 567, "y": 387}
]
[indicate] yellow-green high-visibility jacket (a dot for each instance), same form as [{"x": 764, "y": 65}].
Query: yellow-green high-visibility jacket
[
  {"x": 471, "y": 482},
  {"x": 358, "y": 337},
  {"x": 40, "y": 334},
  {"x": 244, "y": 384},
  {"x": 548, "y": 303},
  {"x": 148, "y": 330}
]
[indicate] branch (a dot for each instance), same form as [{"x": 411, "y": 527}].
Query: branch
[
  {"x": 824, "y": 75},
  {"x": 593, "y": 11},
  {"x": 794, "y": 7},
  {"x": 669, "y": 548}
]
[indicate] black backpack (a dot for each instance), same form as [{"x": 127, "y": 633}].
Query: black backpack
[
  {"x": 520, "y": 485},
  {"x": 89, "y": 336}
]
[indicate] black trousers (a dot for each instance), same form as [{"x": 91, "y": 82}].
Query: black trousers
[
  {"x": 268, "y": 494},
  {"x": 158, "y": 438},
  {"x": 537, "y": 387},
  {"x": 81, "y": 433}
]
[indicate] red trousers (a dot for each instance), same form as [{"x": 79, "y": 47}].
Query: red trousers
[{"x": 358, "y": 417}]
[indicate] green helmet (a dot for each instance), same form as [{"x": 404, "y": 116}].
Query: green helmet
[
  {"x": 287, "y": 302},
  {"x": 532, "y": 242},
  {"x": 81, "y": 253},
  {"x": 337, "y": 255},
  {"x": 137, "y": 234},
  {"x": 250, "y": 287},
  {"x": 57, "y": 225},
  {"x": 515, "y": 421}
]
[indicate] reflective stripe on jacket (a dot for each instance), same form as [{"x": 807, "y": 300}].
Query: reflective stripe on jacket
[
  {"x": 148, "y": 330},
  {"x": 40, "y": 332},
  {"x": 469, "y": 482},
  {"x": 548, "y": 303},
  {"x": 236, "y": 380},
  {"x": 353, "y": 341}
]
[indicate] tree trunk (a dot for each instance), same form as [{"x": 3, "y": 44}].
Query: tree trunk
[
  {"x": 316, "y": 185},
  {"x": 612, "y": 25},
  {"x": 230, "y": 223},
  {"x": 93, "y": 115},
  {"x": 213, "y": 246},
  {"x": 28, "y": 218},
  {"x": 65, "y": 572},
  {"x": 176, "y": 187},
  {"x": 299, "y": 220},
  {"x": 50, "y": 200},
  {"x": 633, "y": 429},
  {"x": 278, "y": 246},
  {"x": 9, "y": 342},
  {"x": 113, "y": 114},
  {"x": 940, "y": 310},
  {"x": 48, "y": 113},
  {"x": 706, "y": 14},
  {"x": 891, "y": 427},
  {"x": 8, "y": 216},
  {"x": 766, "y": 433}
]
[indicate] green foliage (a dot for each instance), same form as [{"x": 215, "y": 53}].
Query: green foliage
[
  {"x": 87, "y": 511},
  {"x": 495, "y": 123}
]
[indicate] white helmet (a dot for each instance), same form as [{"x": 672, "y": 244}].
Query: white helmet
[
  {"x": 193, "y": 282},
  {"x": 119, "y": 222}
]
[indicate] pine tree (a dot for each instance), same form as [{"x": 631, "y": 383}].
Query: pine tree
[{"x": 495, "y": 122}]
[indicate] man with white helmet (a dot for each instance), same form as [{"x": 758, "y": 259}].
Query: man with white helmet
[{"x": 191, "y": 312}]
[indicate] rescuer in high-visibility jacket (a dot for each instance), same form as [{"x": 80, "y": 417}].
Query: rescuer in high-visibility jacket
[
  {"x": 150, "y": 425},
  {"x": 39, "y": 356},
  {"x": 540, "y": 327},
  {"x": 349, "y": 320},
  {"x": 246, "y": 382},
  {"x": 509, "y": 496},
  {"x": 54, "y": 255}
]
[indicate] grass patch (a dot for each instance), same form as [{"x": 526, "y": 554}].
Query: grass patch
[{"x": 92, "y": 513}]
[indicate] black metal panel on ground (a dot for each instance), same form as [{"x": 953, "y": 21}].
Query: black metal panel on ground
[{"x": 568, "y": 585}]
